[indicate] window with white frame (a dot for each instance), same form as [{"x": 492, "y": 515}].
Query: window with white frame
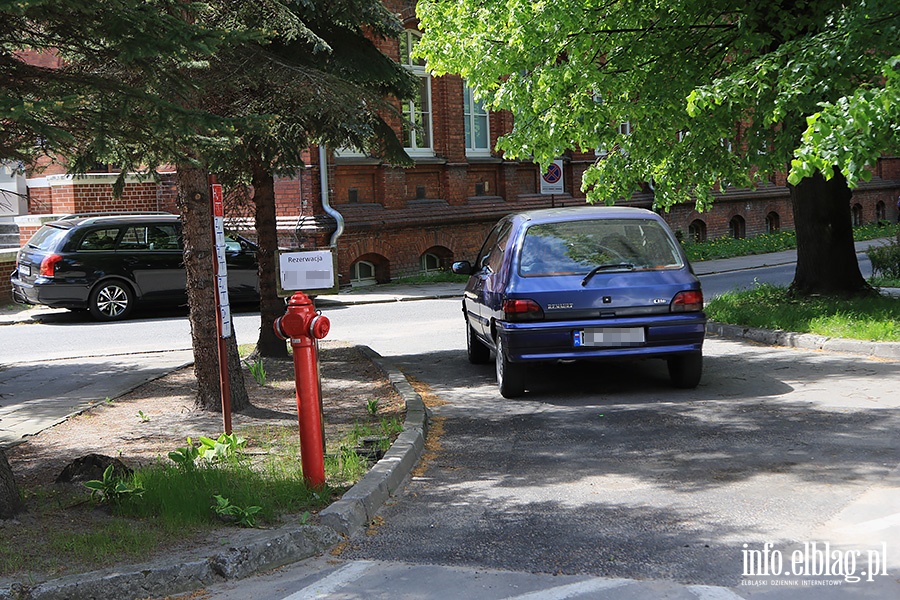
[
  {"x": 430, "y": 262},
  {"x": 362, "y": 273},
  {"x": 417, "y": 111},
  {"x": 624, "y": 128},
  {"x": 478, "y": 137}
]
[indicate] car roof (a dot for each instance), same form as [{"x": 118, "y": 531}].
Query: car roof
[
  {"x": 580, "y": 213},
  {"x": 73, "y": 221}
]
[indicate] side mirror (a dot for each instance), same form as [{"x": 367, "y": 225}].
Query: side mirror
[{"x": 462, "y": 267}]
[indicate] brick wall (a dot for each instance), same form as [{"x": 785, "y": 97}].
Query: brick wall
[
  {"x": 7, "y": 266},
  {"x": 754, "y": 207},
  {"x": 59, "y": 195},
  {"x": 889, "y": 167},
  {"x": 48, "y": 59},
  {"x": 402, "y": 247}
]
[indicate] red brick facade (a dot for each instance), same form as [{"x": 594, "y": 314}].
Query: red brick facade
[
  {"x": 56, "y": 195},
  {"x": 7, "y": 266}
]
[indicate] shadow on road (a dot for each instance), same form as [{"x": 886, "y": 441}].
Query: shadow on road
[{"x": 607, "y": 470}]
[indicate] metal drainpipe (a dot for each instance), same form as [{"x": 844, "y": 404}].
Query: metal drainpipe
[{"x": 326, "y": 204}]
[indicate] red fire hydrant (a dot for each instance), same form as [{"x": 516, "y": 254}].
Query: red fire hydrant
[{"x": 302, "y": 325}]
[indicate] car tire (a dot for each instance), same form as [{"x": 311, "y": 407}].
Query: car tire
[
  {"x": 685, "y": 370},
  {"x": 510, "y": 376},
  {"x": 478, "y": 352},
  {"x": 111, "y": 300}
]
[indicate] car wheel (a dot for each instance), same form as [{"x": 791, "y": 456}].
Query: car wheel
[
  {"x": 510, "y": 376},
  {"x": 479, "y": 353},
  {"x": 111, "y": 301},
  {"x": 685, "y": 370}
]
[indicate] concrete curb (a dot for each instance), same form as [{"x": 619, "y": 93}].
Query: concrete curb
[
  {"x": 805, "y": 341},
  {"x": 253, "y": 551},
  {"x": 358, "y": 506},
  {"x": 260, "y": 550}
]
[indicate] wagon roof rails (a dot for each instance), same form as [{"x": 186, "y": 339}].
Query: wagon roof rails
[{"x": 112, "y": 214}]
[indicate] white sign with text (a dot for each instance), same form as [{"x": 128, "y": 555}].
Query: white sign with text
[{"x": 306, "y": 270}]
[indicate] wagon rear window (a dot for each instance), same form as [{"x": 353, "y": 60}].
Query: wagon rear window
[{"x": 47, "y": 238}]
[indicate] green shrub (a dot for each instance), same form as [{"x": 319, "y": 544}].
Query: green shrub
[{"x": 885, "y": 260}]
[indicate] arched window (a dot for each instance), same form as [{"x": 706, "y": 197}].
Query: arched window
[
  {"x": 737, "y": 227},
  {"x": 362, "y": 273},
  {"x": 880, "y": 211},
  {"x": 416, "y": 111},
  {"x": 430, "y": 262},
  {"x": 773, "y": 222},
  {"x": 697, "y": 231},
  {"x": 857, "y": 215}
]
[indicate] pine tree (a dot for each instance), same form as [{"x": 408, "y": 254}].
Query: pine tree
[{"x": 235, "y": 88}]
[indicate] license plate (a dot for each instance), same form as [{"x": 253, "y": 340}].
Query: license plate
[
  {"x": 610, "y": 336},
  {"x": 25, "y": 270}
]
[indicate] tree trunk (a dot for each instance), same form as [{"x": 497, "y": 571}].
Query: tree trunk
[
  {"x": 10, "y": 500},
  {"x": 826, "y": 257},
  {"x": 271, "y": 306},
  {"x": 199, "y": 253}
]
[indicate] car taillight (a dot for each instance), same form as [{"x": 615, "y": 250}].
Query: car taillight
[
  {"x": 48, "y": 265},
  {"x": 687, "y": 301},
  {"x": 522, "y": 310}
]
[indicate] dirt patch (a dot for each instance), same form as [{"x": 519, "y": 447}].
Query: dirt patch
[{"x": 156, "y": 418}]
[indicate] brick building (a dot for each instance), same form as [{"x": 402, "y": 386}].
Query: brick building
[{"x": 401, "y": 221}]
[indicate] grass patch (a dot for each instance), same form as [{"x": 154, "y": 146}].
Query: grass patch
[
  {"x": 181, "y": 497},
  {"x": 387, "y": 428},
  {"x": 728, "y": 247},
  {"x": 770, "y": 307},
  {"x": 93, "y": 538},
  {"x": 431, "y": 277},
  {"x": 884, "y": 282},
  {"x": 179, "y": 502},
  {"x": 119, "y": 538}
]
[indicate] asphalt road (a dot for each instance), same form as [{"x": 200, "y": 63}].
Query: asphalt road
[{"x": 606, "y": 470}]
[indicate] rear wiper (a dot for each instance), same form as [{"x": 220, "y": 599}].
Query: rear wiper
[{"x": 607, "y": 267}]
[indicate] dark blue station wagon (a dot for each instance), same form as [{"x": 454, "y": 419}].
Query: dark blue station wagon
[
  {"x": 107, "y": 264},
  {"x": 582, "y": 283}
]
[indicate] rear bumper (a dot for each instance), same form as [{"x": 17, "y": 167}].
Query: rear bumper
[
  {"x": 47, "y": 292},
  {"x": 665, "y": 335}
]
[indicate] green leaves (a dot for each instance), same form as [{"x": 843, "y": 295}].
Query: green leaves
[
  {"x": 226, "y": 447},
  {"x": 185, "y": 457},
  {"x": 852, "y": 132},
  {"x": 245, "y": 517},
  {"x": 112, "y": 488},
  {"x": 686, "y": 76}
]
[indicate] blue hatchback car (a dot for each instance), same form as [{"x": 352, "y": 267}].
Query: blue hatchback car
[{"x": 582, "y": 283}]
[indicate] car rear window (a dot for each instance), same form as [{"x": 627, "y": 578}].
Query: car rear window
[
  {"x": 577, "y": 247},
  {"x": 47, "y": 238}
]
